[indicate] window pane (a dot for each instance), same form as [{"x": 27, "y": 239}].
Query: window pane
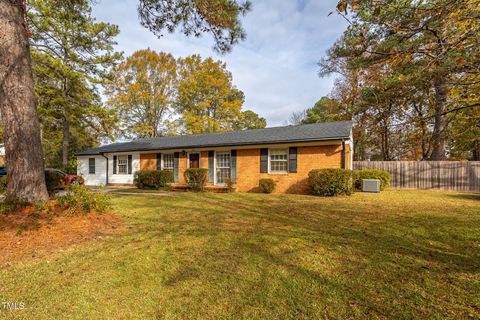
[
  {"x": 223, "y": 160},
  {"x": 222, "y": 175},
  {"x": 278, "y": 166},
  {"x": 168, "y": 161},
  {"x": 278, "y": 160},
  {"x": 122, "y": 164},
  {"x": 223, "y": 167}
]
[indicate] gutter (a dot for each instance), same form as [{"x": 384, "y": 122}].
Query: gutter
[{"x": 106, "y": 178}]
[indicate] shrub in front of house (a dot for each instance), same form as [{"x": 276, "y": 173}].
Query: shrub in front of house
[
  {"x": 152, "y": 179},
  {"x": 359, "y": 175},
  {"x": 196, "y": 178},
  {"x": 330, "y": 182},
  {"x": 80, "y": 199},
  {"x": 267, "y": 185}
]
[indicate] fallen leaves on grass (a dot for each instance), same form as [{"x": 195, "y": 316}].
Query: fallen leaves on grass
[{"x": 29, "y": 233}]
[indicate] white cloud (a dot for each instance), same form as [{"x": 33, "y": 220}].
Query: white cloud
[{"x": 276, "y": 67}]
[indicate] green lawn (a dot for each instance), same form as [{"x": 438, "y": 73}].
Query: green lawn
[{"x": 396, "y": 255}]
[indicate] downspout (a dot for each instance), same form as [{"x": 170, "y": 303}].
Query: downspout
[
  {"x": 106, "y": 178},
  {"x": 343, "y": 154}
]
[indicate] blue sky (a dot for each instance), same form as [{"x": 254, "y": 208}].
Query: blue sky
[{"x": 276, "y": 66}]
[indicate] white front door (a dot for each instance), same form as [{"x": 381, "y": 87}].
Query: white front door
[{"x": 222, "y": 172}]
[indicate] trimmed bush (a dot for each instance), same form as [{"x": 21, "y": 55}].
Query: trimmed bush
[
  {"x": 153, "y": 179},
  {"x": 267, "y": 185},
  {"x": 331, "y": 182},
  {"x": 82, "y": 200},
  {"x": 54, "y": 181},
  {"x": 359, "y": 175},
  {"x": 3, "y": 183},
  {"x": 196, "y": 178}
]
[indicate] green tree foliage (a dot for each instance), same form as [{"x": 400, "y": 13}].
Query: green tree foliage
[
  {"x": 220, "y": 18},
  {"x": 70, "y": 56},
  {"x": 410, "y": 70},
  {"x": 324, "y": 110},
  {"x": 88, "y": 121},
  {"x": 142, "y": 92},
  {"x": 250, "y": 120}
]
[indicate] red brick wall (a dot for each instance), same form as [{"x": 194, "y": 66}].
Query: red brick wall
[
  {"x": 204, "y": 159},
  {"x": 148, "y": 161},
  {"x": 308, "y": 158},
  {"x": 248, "y": 167},
  {"x": 182, "y": 166}
]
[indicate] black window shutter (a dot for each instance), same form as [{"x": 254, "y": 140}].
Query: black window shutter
[
  {"x": 175, "y": 166},
  {"x": 211, "y": 172},
  {"x": 233, "y": 165},
  {"x": 292, "y": 159},
  {"x": 129, "y": 164},
  {"x": 114, "y": 164},
  {"x": 264, "y": 160},
  {"x": 159, "y": 161}
]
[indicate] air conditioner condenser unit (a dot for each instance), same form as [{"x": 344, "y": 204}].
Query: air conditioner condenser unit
[{"x": 371, "y": 185}]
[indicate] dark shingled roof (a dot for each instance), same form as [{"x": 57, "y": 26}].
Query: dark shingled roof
[{"x": 288, "y": 134}]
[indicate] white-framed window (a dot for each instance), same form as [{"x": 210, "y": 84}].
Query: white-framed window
[
  {"x": 122, "y": 164},
  {"x": 222, "y": 167},
  {"x": 168, "y": 161},
  {"x": 278, "y": 160}
]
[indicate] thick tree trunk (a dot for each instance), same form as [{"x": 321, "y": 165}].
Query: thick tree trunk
[
  {"x": 21, "y": 127},
  {"x": 476, "y": 150},
  {"x": 65, "y": 141},
  {"x": 424, "y": 144},
  {"x": 438, "y": 151}
]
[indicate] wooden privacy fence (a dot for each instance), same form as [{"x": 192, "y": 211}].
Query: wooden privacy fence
[{"x": 444, "y": 175}]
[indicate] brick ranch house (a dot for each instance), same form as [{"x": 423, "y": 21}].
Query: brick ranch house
[{"x": 285, "y": 154}]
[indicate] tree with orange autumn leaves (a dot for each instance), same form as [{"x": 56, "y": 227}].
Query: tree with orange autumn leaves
[{"x": 156, "y": 95}]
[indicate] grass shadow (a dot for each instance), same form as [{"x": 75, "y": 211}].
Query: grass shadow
[{"x": 466, "y": 196}]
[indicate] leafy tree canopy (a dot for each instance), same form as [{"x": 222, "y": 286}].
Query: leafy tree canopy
[
  {"x": 408, "y": 71},
  {"x": 324, "y": 110},
  {"x": 142, "y": 91},
  {"x": 207, "y": 100},
  {"x": 71, "y": 53},
  {"x": 156, "y": 95},
  {"x": 250, "y": 120}
]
